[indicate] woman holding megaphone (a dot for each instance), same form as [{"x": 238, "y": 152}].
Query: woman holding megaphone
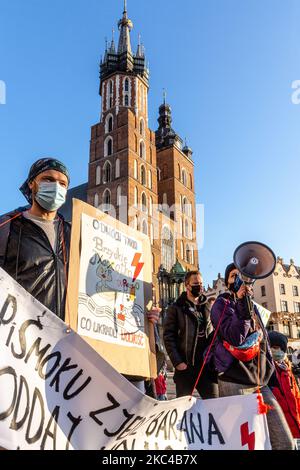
[{"x": 241, "y": 353}]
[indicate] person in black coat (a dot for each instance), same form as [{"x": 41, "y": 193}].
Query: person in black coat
[
  {"x": 187, "y": 331},
  {"x": 35, "y": 241}
]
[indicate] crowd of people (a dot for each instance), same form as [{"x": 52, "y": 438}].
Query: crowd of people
[{"x": 220, "y": 349}]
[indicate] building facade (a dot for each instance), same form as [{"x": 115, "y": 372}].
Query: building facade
[
  {"x": 279, "y": 293},
  {"x": 141, "y": 177},
  {"x": 218, "y": 287}
]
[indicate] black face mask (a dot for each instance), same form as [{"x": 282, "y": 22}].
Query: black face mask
[
  {"x": 235, "y": 286},
  {"x": 196, "y": 291}
]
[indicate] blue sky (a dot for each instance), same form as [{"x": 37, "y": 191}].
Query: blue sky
[{"x": 228, "y": 67}]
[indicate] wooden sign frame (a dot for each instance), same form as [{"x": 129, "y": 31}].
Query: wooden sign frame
[{"x": 133, "y": 361}]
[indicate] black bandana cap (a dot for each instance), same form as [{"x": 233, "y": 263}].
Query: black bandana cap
[{"x": 39, "y": 167}]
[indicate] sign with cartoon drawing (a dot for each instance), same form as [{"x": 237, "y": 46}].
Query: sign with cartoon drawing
[
  {"x": 110, "y": 266},
  {"x": 111, "y": 295}
]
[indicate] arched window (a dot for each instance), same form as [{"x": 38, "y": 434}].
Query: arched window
[
  {"x": 149, "y": 179},
  {"x": 135, "y": 196},
  {"x": 145, "y": 227},
  {"x": 111, "y": 94},
  {"x": 144, "y": 202},
  {"x": 143, "y": 175},
  {"x": 181, "y": 250},
  {"x": 191, "y": 182},
  {"x": 117, "y": 168},
  {"x": 135, "y": 222},
  {"x": 179, "y": 172},
  {"x": 109, "y": 123},
  {"x": 184, "y": 177},
  {"x": 119, "y": 195},
  {"x": 185, "y": 206},
  {"x": 98, "y": 175},
  {"x": 167, "y": 249},
  {"x": 150, "y": 206},
  {"x": 142, "y": 127},
  {"x": 96, "y": 200},
  {"x": 106, "y": 198},
  {"x": 142, "y": 150},
  {"x": 187, "y": 254},
  {"x": 107, "y": 172},
  {"x": 108, "y": 146},
  {"x": 191, "y": 255},
  {"x": 135, "y": 169},
  {"x": 126, "y": 85},
  {"x": 126, "y": 100},
  {"x": 151, "y": 155}
]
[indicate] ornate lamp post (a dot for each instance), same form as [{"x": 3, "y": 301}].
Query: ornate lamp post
[{"x": 177, "y": 277}]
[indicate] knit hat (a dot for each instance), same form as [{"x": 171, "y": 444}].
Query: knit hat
[
  {"x": 278, "y": 339},
  {"x": 228, "y": 270}
]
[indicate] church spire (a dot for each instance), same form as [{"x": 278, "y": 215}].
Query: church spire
[
  {"x": 125, "y": 26},
  {"x": 121, "y": 58}
]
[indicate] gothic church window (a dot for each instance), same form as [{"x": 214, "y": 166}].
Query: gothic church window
[
  {"x": 145, "y": 227},
  {"x": 98, "y": 175},
  {"x": 117, "y": 168},
  {"x": 106, "y": 197},
  {"x": 107, "y": 173},
  {"x": 144, "y": 202},
  {"x": 142, "y": 127},
  {"x": 108, "y": 124},
  {"x": 142, "y": 150},
  {"x": 184, "y": 177},
  {"x": 143, "y": 175},
  {"x": 167, "y": 249},
  {"x": 108, "y": 146},
  {"x": 119, "y": 195}
]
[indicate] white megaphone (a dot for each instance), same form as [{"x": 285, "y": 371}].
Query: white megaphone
[{"x": 254, "y": 260}]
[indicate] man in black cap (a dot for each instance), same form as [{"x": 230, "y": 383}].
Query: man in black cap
[{"x": 35, "y": 241}]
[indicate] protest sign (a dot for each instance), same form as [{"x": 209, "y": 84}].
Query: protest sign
[
  {"x": 264, "y": 313},
  {"x": 110, "y": 287},
  {"x": 56, "y": 392}
]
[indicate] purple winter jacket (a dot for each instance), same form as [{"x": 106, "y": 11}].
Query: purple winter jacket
[{"x": 234, "y": 328}]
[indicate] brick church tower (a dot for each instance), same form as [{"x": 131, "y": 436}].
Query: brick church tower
[{"x": 134, "y": 173}]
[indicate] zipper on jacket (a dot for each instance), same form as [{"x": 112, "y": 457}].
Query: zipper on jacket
[
  {"x": 186, "y": 337},
  {"x": 196, "y": 341},
  {"x": 55, "y": 257}
]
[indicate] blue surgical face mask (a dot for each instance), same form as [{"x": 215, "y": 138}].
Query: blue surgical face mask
[
  {"x": 51, "y": 196},
  {"x": 278, "y": 355}
]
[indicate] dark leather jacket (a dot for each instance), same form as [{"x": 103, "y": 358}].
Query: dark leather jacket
[
  {"x": 31, "y": 261},
  {"x": 181, "y": 330}
]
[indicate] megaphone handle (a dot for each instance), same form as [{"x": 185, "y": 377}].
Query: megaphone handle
[{"x": 249, "y": 304}]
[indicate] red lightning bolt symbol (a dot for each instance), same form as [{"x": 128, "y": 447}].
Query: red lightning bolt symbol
[
  {"x": 138, "y": 266},
  {"x": 247, "y": 438}
]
